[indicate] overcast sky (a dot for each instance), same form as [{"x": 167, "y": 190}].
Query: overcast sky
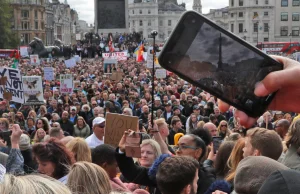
[{"x": 85, "y": 8}]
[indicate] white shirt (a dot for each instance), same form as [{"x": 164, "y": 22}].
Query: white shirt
[
  {"x": 63, "y": 179},
  {"x": 93, "y": 141}
]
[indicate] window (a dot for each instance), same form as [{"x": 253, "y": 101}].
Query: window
[
  {"x": 141, "y": 22},
  {"x": 232, "y": 3},
  {"x": 295, "y": 17},
  {"x": 266, "y": 27},
  {"x": 36, "y": 25},
  {"x": 149, "y": 23},
  {"x": 295, "y": 30},
  {"x": 284, "y": 16},
  {"x": 25, "y": 25},
  {"x": 241, "y": 2},
  {"x": 132, "y": 11},
  {"x": 241, "y": 14},
  {"x": 25, "y": 13},
  {"x": 149, "y": 11},
  {"x": 266, "y": 39},
  {"x": 35, "y": 14},
  {"x": 133, "y": 23},
  {"x": 141, "y": 11},
  {"x": 232, "y": 14},
  {"x": 284, "y": 30},
  {"x": 42, "y": 25},
  {"x": 232, "y": 28},
  {"x": 284, "y": 3},
  {"x": 241, "y": 27},
  {"x": 169, "y": 22},
  {"x": 160, "y": 23},
  {"x": 267, "y": 2},
  {"x": 256, "y": 2},
  {"x": 266, "y": 13},
  {"x": 296, "y": 2},
  {"x": 255, "y": 27}
]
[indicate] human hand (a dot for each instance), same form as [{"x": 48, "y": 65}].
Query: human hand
[
  {"x": 15, "y": 136},
  {"x": 3, "y": 143},
  {"x": 123, "y": 141},
  {"x": 212, "y": 156},
  {"x": 285, "y": 82}
]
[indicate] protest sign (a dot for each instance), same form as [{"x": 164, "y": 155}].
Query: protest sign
[
  {"x": 110, "y": 65},
  {"x": 70, "y": 63},
  {"x": 77, "y": 58},
  {"x": 116, "y": 125},
  {"x": 116, "y": 76},
  {"x": 13, "y": 84},
  {"x": 66, "y": 83},
  {"x": 120, "y": 56},
  {"x": 150, "y": 61},
  {"x": 24, "y": 51},
  {"x": 35, "y": 60},
  {"x": 48, "y": 73},
  {"x": 33, "y": 90},
  {"x": 160, "y": 73}
]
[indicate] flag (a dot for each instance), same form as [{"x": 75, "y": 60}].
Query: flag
[
  {"x": 139, "y": 52},
  {"x": 255, "y": 15},
  {"x": 15, "y": 54},
  {"x": 15, "y": 64}
]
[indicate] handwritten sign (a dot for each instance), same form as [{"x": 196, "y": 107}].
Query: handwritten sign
[
  {"x": 116, "y": 125},
  {"x": 33, "y": 90},
  {"x": 35, "y": 60},
  {"x": 70, "y": 63},
  {"x": 66, "y": 83},
  {"x": 13, "y": 84},
  {"x": 160, "y": 73},
  {"x": 48, "y": 73},
  {"x": 116, "y": 76},
  {"x": 120, "y": 56}
]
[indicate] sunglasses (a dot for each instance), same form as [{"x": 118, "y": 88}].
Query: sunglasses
[
  {"x": 101, "y": 125},
  {"x": 223, "y": 125}
]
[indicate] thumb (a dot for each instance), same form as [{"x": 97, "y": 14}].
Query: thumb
[{"x": 277, "y": 80}]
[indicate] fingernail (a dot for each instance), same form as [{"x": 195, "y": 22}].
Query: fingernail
[{"x": 259, "y": 88}]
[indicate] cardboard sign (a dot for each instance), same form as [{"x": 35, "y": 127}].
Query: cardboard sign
[
  {"x": 48, "y": 73},
  {"x": 3, "y": 81},
  {"x": 13, "y": 84},
  {"x": 116, "y": 76},
  {"x": 66, "y": 83},
  {"x": 132, "y": 145},
  {"x": 35, "y": 60},
  {"x": 116, "y": 125},
  {"x": 120, "y": 56},
  {"x": 160, "y": 73},
  {"x": 70, "y": 63},
  {"x": 24, "y": 51},
  {"x": 109, "y": 65},
  {"x": 7, "y": 96},
  {"x": 33, "y": 90}
]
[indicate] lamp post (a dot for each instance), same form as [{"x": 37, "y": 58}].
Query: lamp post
[
  {"x": 153, "y": 34},
  {"x": 257, "y": 32}
]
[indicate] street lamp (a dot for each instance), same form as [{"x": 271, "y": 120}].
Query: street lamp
[{"x": 153, "y": 34}]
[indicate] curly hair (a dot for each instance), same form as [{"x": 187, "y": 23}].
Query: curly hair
[{"x": 54, "y": 151}]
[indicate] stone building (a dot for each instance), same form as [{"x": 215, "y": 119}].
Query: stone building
[
  {"x": 29, "y": 19},
  {"x": 148, "y": 15},
  {"x": 197, "y": 6}
]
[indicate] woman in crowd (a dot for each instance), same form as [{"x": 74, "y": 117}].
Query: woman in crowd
[
  {"x": 193, "y": 121},
  {"x": 42, "y": 111},
  {"x": 29, "y": 126},
  {"x": 88, "y": 178},
  {"x": 223, "y": 130},
  {"x": 80, "y": 149},
  {"x": 292, "y": 157},
  {"x": 86, "y": 111},
  {"x": 288, "y": 117},
  {"x": 4, "y": 124},
  {"x": 39, "y": 136},
  {"x": 53, "y": 159},
  {"x": 234, "y": 159},
  {"x": 150, "y": 151},
  {"x": 81, "y": 129},
  {"x": 43, "y": 123},
  {"x": 32, "y": 114},
  {"x": 221, "y": 165},
  {"x": 19, "y": 118}
]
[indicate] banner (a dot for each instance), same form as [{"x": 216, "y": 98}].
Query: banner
[
  {"x": 66, "y": 83},
  {"x": 33, "y": 90},
  {"x": 150, "y": 61},
  {"x": 48, "y": 73},
  {"x": 70, "y": 63},
  {"x": 13, "y": 84},
  {"x": 24, "y": 51},
  {"x": 78, "y": 36},
  {"x": 35, "y": 60},
  {"x": 77, "y": 58},
  {"x": 160, "y": 73},
  {"x": 120, "y": 56}
]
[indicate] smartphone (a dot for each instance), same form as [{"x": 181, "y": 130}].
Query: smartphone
[
  {"x": 5, "y": 135},
  {"x": 219, "y": 62},
  {"x": 217, "y": 141}
]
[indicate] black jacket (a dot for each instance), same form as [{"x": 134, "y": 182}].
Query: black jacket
[
  {"x": 67, "y": 126},
  {"x": 139, "y": 175}
]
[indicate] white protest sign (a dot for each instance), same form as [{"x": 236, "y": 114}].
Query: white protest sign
[
  {"x": 77, "y": 58},
  {"x": 120, "y": 56},
  {"x": 35, "y": 60},
  {"x": 33, "y": 90},
  {"x": 13, "y": 84},
  {"x": 48, "y": 73},
  {"x": 150, "y": 61},
  {"x": 24, "y": 51},
  {"x": 66, "y": 83},
  {"x": 78, "y": 37},
  {"x": 160, "y": 73},
  {"x": 70, "y": 63}
]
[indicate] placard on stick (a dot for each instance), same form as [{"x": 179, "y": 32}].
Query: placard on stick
[{"x": 116, "y": 125}]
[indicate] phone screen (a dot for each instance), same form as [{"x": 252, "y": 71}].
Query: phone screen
[
  {"x": 217, "y": 61},
  {"x": 217, "y": 141}
]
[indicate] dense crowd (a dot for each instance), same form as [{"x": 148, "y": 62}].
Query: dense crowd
[{"x": 63, "y": 140}]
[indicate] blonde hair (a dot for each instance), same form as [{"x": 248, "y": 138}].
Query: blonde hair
[
  {"x": 33, "y": 184},
  {"x": 80, "y": 149},
  {"x": 154, "y": 145},
  {"x": 161, "y": 122},
  {"x": 228, "y": 132},
  {"x": 200, "y": 124},
  {"x": 36, "y": 139},
  {"x": 88, "y": 178}
]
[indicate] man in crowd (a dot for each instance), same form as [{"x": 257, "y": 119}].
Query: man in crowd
[
  {"x": 282, "y": 127},
  {"x": 66, "y": 124},
  {"x": 176, "y": 128},
  {"x": 73, "y": 115},
  {"x": 57, "y": 133},
  {"x": 211, "y": 128},
  {"x": 97, "y": 138}
]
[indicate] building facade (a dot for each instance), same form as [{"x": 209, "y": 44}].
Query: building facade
[
  {"x": 149, "y": 15},
  {"x": 197, "y": 6},
  {"x": 29, "y": 19}
]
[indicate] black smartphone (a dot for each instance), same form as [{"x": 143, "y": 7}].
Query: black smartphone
[
  {"x": 5, "y": 135},
  {"x": 217, "y": 141},
  {"x": 218, "y": 62}
]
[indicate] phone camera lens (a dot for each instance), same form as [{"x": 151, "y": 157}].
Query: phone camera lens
[{"x": 193, "y": 21}]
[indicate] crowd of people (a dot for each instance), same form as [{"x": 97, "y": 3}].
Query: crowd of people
[{"x": 59, "y": 147}]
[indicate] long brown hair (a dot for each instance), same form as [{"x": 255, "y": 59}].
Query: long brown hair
[
  {"x": 292, "y": 137},
  {"x": 234, "y": 159}
]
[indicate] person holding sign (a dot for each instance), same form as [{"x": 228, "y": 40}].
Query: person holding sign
[{"x": 97, "y": 138}]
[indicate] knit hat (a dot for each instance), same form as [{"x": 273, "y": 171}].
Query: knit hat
[
  {"x": 253, "y": 171},
  {"x": 282, "y": 181},
  {"x": 24, "y": 142}
]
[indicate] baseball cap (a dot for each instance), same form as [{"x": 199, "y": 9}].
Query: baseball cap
[
  {"x": 98, "y": 120},
  {"x": 196, "y": 107},
  {"x": 157, "y": 98},
  {"x": 175, "y": 108},
  {"x": 73, "y": 108},
  {"x": 168, "y": 104}
]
